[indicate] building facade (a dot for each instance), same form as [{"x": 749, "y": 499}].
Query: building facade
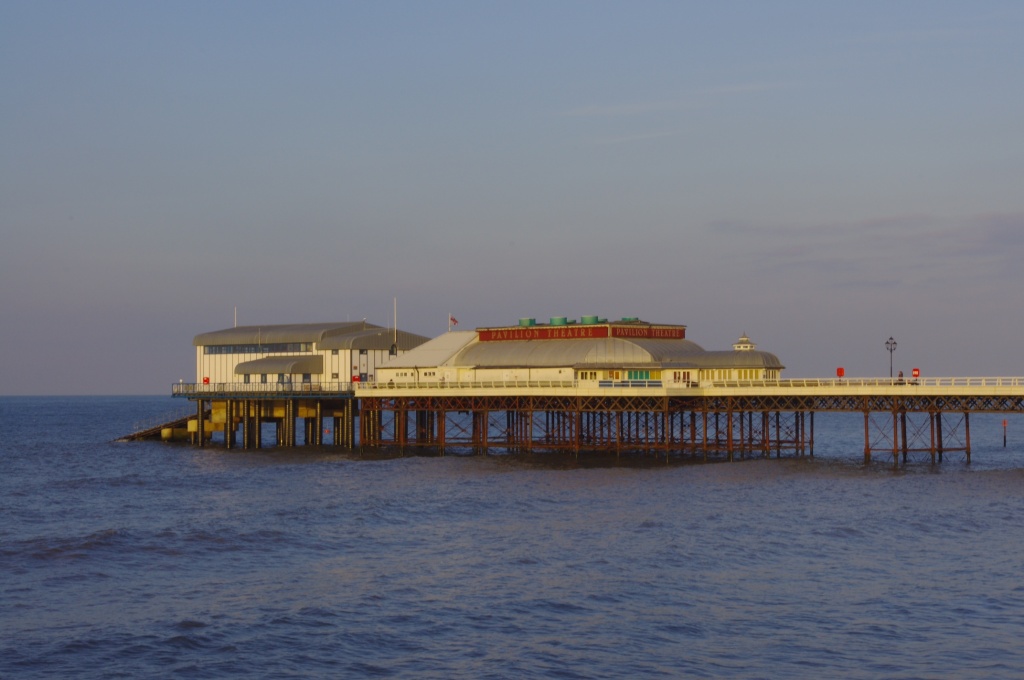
[
  {"x": 593, "y": 352},
  {"x": 328, "y": 356}
]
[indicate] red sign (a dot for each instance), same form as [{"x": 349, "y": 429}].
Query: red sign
[
  {"x": 840, "y": 372},
  {"x": 574, "y": 332},
  {"x": 542, "y": 333},
  {"x": 206, "y": 381},
  {"x": 916, "y": 373},
  {"x": 658, "y": 332}
]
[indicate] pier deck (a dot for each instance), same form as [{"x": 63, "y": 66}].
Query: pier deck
[{"x": 723, "y": 418}]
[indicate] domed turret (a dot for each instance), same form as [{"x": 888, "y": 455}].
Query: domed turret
[{"x": 744, "y": 344}]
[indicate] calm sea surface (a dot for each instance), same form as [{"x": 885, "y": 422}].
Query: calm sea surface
[{"x": 154, "y": 560}]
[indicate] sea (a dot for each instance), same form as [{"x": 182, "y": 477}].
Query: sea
[{"x": 154, "y": 560}]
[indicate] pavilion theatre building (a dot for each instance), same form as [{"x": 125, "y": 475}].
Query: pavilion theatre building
[
  {"x": 593, "y": 352},
  {"x": 564, "y": 385}
]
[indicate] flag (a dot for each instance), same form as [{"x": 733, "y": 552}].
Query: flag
[{"x": 452, "y": 320}]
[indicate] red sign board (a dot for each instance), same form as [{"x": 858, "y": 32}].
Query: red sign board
[
  {"x": 574, "y": 332},
  {"x": 840, "y": 372},
  {"x": 916, "y": 373},
  {"x": 659, "y": 332}
]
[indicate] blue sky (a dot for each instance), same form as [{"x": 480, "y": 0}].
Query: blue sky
[{"x": 817, "y": 175}]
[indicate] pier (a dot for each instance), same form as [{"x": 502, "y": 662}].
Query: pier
[
  {"x": 724, "y": 420},
  {"x": 622, "y": 387}
]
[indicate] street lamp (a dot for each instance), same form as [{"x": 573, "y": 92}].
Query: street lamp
[{"x": 890, "y": 345}]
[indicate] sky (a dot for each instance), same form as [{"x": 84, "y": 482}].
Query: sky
[{"x": 819, "y": 176}]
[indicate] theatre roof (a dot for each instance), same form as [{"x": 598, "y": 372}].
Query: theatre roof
[{"x": 465, "y": 349}]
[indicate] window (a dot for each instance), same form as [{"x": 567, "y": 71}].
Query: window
[
  {"x": 334, "y": 376},
  {"x": 245, "y": 378},
  {"x": 334, "y": 352},
  {"x": 263, "y": 377},
  {"x": 280, "y": 377},
  {"x": 307, "y": 377},
  {"x": 258, "y": 349}
]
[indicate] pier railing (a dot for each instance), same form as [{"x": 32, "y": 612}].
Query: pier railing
[
  {"x": 469, "y": 385},
  {"x": 261, "y": 389},
  {"x": 870, "y": 382},
  {"x": 794, "y": 383},
  {"x": 256, "y": 390}
]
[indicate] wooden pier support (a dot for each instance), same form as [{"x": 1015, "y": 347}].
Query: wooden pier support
[{"x": 726, "y": 427}]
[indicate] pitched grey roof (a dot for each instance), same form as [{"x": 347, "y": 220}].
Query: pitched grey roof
[{"x": 346, "y": 335}]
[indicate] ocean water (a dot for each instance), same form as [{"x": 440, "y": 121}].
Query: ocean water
[{"x": 155, "y": 560}]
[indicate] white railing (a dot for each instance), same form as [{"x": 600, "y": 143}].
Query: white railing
[
  {"x": 478, "y": 384},
  {"x": 869, "y": 382},
  {"x": 299, "y": 388},
  {"x": 190, "y": 389}
]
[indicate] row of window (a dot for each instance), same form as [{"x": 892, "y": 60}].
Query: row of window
[
  {"x": 677, "y": 376},
  {"x": 286, "y": 377},
  {"x": 617, "y": 375},
  {"x": 281, "y": 377},
  {"x": 259, "y": 349},
  {"x": 266, "y": 348}
]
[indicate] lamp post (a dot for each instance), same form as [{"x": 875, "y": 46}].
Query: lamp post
[{"x": 890, "y": 345}]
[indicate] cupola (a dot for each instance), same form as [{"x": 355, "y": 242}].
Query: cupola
[{"x": 744, "y": 344}]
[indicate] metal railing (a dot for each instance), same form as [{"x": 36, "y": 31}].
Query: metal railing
[
  {"x": 260, "y": 389},
  {"x": 171, "y": 416},
  {"x": 870, "y": 382},
  {"x": 477, "y": 384},
  {"x": 349, "y": 388}
]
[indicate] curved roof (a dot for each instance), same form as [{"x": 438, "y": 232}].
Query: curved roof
[
  {"x": 587, "y": 351},
  {"x": 347, "y": 335},
  {"x": 463, "y": 348},
  {"x": 436, "y": 352},
  {"x": 740, "y": 358},
  {"x": 372, "y": 338}
]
